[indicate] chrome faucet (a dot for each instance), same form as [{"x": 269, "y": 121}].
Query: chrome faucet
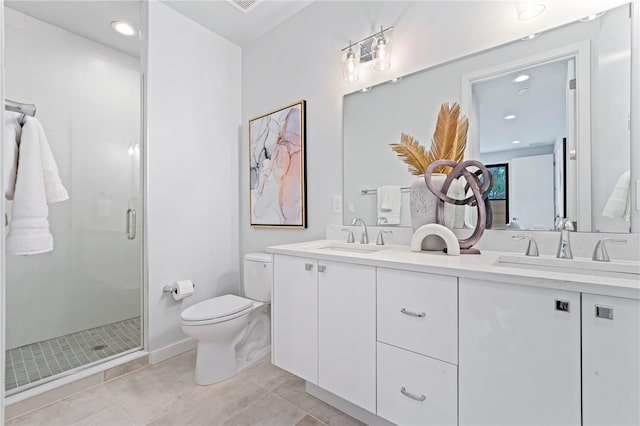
[
  {"x": 381, "y": 221},
  {"x": 380, "y": 239},
  {"x": 350, "y": 238},
  {"x": 565, "y": 226},
  {"x": 532, "y": 248},
  {"x": 600, "y": 253},
  {"x": 364, "y": 238}
]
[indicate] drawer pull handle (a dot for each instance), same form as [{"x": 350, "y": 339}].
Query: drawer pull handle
[
  {"x": 308, "y": 266},
  {"x": 413, "y": 314},
  {"x": 409, "y": 395}
]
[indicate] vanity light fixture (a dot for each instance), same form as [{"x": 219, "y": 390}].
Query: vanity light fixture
[
  {"x": 521, "y": 78},
  {"x": 592, "y": 17},
  {"x": 375, "y": 48},
  {"x": 510, "y": 117},
  {"x": 365, "y": 89},
  {"x": 515, "y": 142},
  {"x": 395, "y": 80},
  {"x": 124, "y": 28},
  {"x": 529, "y": 9}
]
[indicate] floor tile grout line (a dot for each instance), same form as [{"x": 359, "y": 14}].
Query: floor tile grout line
[
  {"x": 13, "y": 369},
  {"x": 44, "y": 357}
]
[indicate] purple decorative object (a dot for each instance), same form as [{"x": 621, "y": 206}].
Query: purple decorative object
[{"x": 480, "y": 190}]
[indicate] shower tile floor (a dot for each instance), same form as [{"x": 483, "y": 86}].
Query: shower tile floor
[{"x": 37, "y": 361}]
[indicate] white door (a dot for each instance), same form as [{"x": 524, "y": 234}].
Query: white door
[
  {"x": 531, "y": 198},
  {"x": 347, "y": 332},
  {"x": 295, "y": 316},
  {"x": 519, "y": 355},
  {"x": 610, "y": 360}
]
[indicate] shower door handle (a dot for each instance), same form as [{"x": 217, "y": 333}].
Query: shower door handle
[{"x": 131, "y": 224}]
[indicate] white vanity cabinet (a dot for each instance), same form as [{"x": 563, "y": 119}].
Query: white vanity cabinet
[
  {"x": 295, "y": 316},
  {"x": 324, "y": 325},
  {"x": 519, "y": 355},
  {"x": 610, "y": 360},
  {"x": 347, "y": 332}
]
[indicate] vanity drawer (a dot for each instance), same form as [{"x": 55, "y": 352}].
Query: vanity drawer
[
  {"x": 419, "y": 312},
  {"x": 415, "y": 389}
]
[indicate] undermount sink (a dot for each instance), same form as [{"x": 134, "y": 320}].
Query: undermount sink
[
  {"x": 613, "y": 269},
  {"x": 346, "y": 247}
]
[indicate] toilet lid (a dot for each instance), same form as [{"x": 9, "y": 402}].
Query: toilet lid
[{"x": 217, "y": 307}]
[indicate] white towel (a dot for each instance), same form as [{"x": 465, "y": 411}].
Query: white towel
[
  {"x": 55, "y": 191},
  {"x": 12, "y": 131},
  {"x": 389, "y": 202},
  {"x": 618, "y": 205},
  {"x": 29, "y": 227}
]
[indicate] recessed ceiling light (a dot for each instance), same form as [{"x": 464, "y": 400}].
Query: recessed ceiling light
[
  {"x": 516, "y": 142},
  {"x": 510, "y": 117},
  {"x": 395, "y": 80},
  {"x": 530, "y": 37},
  {"x": 529, "y": 9},
  {"x": 124, "y": 28},
  {"x": 592, "y": 17},
  {"x": 523, "y": 90},
  {"x": 366, "y": 89},
  {"x": 521, "y": 78}
]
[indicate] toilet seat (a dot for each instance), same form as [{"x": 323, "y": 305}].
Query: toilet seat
[{"x": 217, "y": 309}]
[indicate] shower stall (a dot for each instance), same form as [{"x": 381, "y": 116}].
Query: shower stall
[{"x": 80, "y": 304}]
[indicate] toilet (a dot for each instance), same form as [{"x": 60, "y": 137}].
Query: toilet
[{"x": 232, "y": 331}]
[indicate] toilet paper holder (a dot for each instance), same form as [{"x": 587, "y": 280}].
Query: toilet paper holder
[{"x": 173, "y": 288}]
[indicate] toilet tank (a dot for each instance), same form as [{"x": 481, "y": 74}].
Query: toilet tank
[{"x": 258, "y": 275}]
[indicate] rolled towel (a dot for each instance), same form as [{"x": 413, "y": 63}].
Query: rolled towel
[{"x": 29, "y": 227}]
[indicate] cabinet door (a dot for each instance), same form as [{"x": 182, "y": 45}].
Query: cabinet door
[
  {"x": 295, "y": 316},
  {"x": 610, "y": 360},
  {"x": 519, "y": 355},
  {"x": 347, "y": 332}
]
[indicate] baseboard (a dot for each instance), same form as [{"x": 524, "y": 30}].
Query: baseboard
[
  {"x": 345, "y": 406},
  {"x": 172, "y": 350}
]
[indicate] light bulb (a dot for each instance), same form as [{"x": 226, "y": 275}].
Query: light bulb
[
  {"x": 124, "y": 28},
  {"x": 382, "y": 54}
]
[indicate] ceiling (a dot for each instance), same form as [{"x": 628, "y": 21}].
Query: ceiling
[
  {"x": 89, "y": 19},
  {"x": 233, "y": 24},
  {"x": 540, "y": 111}
]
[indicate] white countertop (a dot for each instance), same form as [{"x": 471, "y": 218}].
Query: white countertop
[{"x": 482, "y": 266}]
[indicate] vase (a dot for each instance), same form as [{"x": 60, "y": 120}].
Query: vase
[{"x": 423, "y": 205}]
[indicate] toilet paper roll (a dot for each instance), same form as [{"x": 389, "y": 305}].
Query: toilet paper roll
[{"x": 183, "y": 288}]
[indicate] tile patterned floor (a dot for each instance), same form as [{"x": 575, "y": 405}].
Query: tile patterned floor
[
  {"x": 165, "y": 394},
  {"x": 31, "y": 363}
]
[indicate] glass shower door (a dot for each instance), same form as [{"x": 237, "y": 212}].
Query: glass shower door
[{"x": 80, "y": 303}]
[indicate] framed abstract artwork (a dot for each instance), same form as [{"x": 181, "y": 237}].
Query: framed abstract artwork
[{"x": 277, "y": 177}]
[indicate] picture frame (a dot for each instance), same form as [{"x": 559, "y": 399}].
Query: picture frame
[{"x": 277, "y": 168}]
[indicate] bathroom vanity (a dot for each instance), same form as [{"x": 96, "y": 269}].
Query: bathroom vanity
[{"x": 429, "y": 339}]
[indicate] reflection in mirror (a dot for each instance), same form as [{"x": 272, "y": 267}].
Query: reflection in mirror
[
  {"x": 80, "y": 302},
  {"x": 563, "y": 134}
]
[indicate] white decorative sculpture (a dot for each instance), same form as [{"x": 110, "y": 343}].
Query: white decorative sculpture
[{"x": 447, "y": 235}]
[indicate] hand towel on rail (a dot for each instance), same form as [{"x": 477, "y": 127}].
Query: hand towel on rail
[{"x": 389, "y": 203}]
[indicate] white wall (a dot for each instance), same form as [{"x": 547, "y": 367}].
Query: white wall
[
  {"x": 88, "y": 100},
  {"x": 426, "y": 34},
  {"x": 193, "y": 114}
]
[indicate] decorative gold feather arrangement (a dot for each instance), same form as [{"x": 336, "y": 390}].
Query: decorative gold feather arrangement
[{"x": 448, "y": 143}]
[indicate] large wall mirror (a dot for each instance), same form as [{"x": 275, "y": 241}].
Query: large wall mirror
[{"x": 548, "y": 115}]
